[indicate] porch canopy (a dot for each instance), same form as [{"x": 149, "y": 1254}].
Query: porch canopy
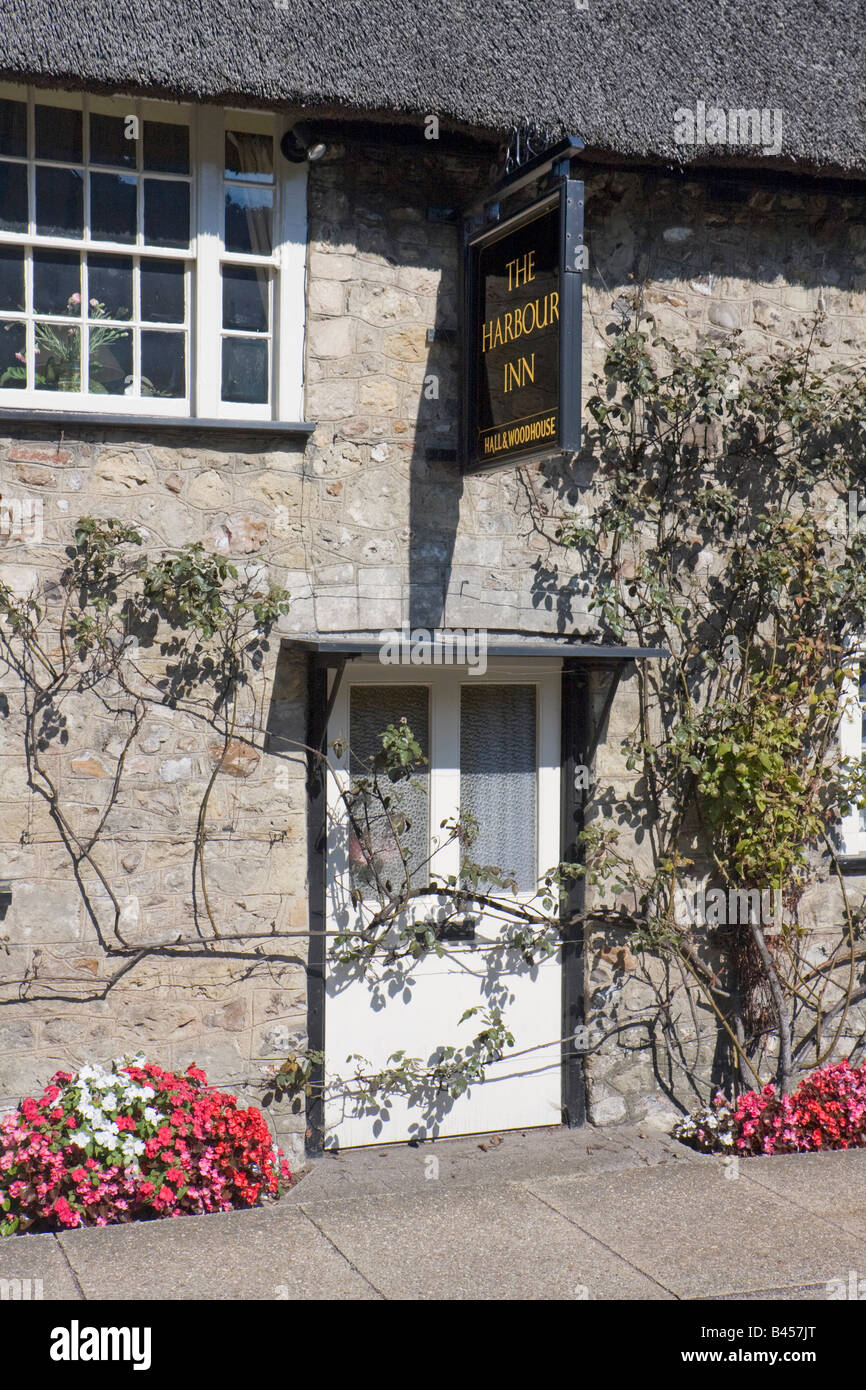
[{"x": 442, "y": 643}]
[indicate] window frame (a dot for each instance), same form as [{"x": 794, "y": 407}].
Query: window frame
[
  {"x": 204, "y": 259},
  {"x": 445, "y": 683},
  {"x": 852, "y": 829}
]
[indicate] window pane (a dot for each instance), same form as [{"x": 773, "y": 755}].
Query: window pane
[
  {"x": 166, "y": 147},
  {"x": 249, "y": 157},
  {"x": 371, "y": 709},
  {"x": 498, "y": 776},
  {"x": 57, "y": 282},
  {"x": 59, "y": 202},
  {"x": 13, "y": 372},
  {"x": 109, "y": 143},
  {"x": 11, "y": 277},
  {"x": 245, "y": 370},
  {"x": 13, "y": 197},
  {"x": 162, "y": 291},
  {"x": 110, "y": 360},
  {"x": 245, "y": 298},
  {"x": 166, "y": 213},
  {"x": 109, "y": 280},
  {"x": 58, "y": 134},
  {"x": 113, "y": 207},
  {"x": 13, "y": 127},
  {"x": 249, "y": 217},
  {"x": 58, "y": 357},
  {"x": 163, "y": 364}
]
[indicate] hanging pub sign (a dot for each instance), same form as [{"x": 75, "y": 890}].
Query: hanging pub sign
[{"x": 523, "y": 281}]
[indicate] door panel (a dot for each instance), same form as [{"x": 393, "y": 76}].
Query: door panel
[{"x": 494, "y": 742}]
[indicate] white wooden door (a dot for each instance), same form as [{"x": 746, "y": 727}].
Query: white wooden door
[{"x": 494, "y": 742}]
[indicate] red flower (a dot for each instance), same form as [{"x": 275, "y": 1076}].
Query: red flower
[
  {"x": 65, "y": 1213},
  {"x": 212, "y": 1157}
]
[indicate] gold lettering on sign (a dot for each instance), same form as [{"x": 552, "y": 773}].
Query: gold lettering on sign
[
  {"x": 535, "y": 315},
  {"x": 521, "y": 270},
  {"x": 519, "y": 372}
]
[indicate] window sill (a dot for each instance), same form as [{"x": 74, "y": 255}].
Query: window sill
[
  {"x": 296, "y": 428},
  {"x": 852, "y": 863}
]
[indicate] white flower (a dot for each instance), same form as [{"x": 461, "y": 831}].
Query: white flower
[
  {"x": 109, "y": 1101},
  {"x": 139, "y": 1093},
  {"x": 152, "y": 1116},
  {"x": 81, "y": 1138}
]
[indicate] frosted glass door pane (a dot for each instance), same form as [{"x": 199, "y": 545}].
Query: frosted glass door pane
[
  {"x": 371, "y": 709},
  {"x": 498, "y": 776}
]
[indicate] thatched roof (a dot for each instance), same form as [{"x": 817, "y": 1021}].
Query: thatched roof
[{"x": 613, "y": 72}]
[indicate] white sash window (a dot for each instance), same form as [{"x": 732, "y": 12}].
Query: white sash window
[{"x": 151, "y": 259}]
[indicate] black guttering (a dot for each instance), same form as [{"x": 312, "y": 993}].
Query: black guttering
[
  {"x": 574, "y": 735},
  {"x": 318, "y": 712}
]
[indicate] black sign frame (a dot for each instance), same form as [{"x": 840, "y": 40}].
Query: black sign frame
[{"x": 569, "y": 195}]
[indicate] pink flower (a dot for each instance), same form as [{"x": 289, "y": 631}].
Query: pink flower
[{"x": 65, "y": 1212}]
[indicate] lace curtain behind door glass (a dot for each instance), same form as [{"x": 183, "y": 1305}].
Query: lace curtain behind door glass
[
  {"x": 371, "y": 709},
  {"x": 498, "y": 776}
]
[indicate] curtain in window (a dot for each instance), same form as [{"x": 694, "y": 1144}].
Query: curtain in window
[{"x": 498, "y": 776}]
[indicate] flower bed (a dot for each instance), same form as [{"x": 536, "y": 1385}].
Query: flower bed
[
  {"x": 132, "y": 1143},
  {"x": 826, "y": 1111}
]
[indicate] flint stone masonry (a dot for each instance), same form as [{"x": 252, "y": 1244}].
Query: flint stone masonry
[{"x": 366, "y": 531}]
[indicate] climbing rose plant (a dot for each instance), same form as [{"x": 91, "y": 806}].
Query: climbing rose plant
[
  {"x": 826, "y": 1111},
  {"x": 132, "y": 1143}
]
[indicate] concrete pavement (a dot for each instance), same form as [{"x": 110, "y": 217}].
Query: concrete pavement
[{"x": 542, "y": 1214}]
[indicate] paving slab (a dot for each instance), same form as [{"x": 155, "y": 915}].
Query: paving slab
[
  {"x": 699, "y": 1234},
  {"x": 832, "y": 1185},
  {"x": 261, "y": 1254},
  {"x": 457, "y": 1243},
  {"x": 483, "y": 1159},
  {"x": 35, "y": 1258}
]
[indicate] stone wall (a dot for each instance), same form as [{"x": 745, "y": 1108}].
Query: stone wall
[
  {"x": 761, "y": 261},
  {"x": 366, "y": 530},
  {"x": 70, "y": 990}
]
